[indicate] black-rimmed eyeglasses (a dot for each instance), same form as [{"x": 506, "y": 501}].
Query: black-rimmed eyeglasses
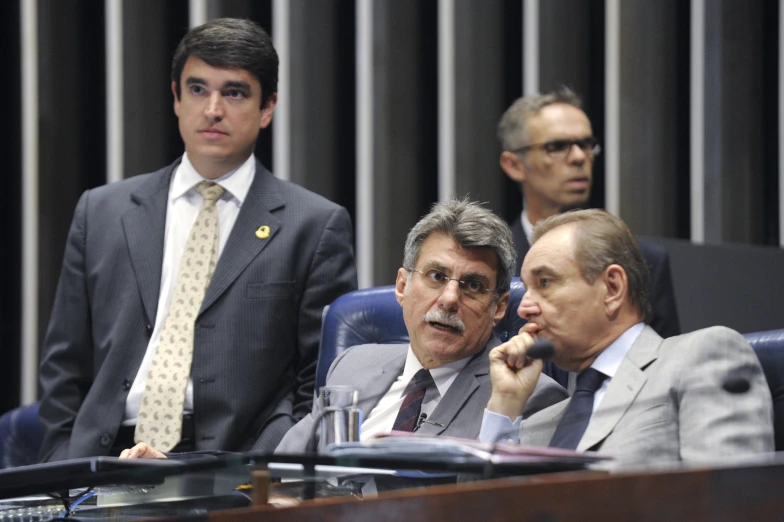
[{"x": 561, "y": 148}]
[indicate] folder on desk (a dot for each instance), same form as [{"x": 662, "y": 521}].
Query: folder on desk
[{"x": 407, "y": 445}]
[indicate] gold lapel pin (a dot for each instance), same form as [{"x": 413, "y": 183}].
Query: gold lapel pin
[{"x": 263, "y": 232}]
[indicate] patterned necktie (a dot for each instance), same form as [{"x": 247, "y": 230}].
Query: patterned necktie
[
  {"x": 409, "y": 411},
  {"x": 578, "y": 413},
  {"x": 160, "y": 414}
]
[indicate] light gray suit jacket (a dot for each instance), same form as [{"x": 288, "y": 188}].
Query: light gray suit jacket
[
  {"x": 666, "y": 403},
  {"x": 256, "y": 337},
  {"x": 372, "y": 368}
]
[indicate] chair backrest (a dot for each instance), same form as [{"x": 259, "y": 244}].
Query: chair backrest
[
  {"x": 373, "y": 316},
  {"x": 769, "y": 347},
  {"x": 21, "y": 435}
]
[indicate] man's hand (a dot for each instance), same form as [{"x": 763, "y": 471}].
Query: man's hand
[
  {"x": 513, "y": 375},
  {"x": 142, "y": 451}
]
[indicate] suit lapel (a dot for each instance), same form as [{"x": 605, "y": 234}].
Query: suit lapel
[
  {"x": 144, "y": 228},
  {"x": 243, "y": 246},
  {"x": 520, "y": 241},
  {"x": 623, "y": 389},
  {"x": 374, "y": 386},
  {"x": 464, "y": 385}
]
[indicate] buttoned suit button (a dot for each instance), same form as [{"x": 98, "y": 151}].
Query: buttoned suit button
[
  {"x": 106, "y": 440},
  {"x": 149, "y": 329},
  {"x": 126, "y": 385}
]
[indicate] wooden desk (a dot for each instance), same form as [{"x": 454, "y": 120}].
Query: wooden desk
[{"x": 752, "y": 492}]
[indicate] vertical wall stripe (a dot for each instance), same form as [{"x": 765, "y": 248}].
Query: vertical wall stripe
[
  {"x": 446, "y": 100},
  {"x": 364, "y": 191},
  {"x": 29, "y": 359},
  {"x": 781, "y": 123},
  {"x": 697, "y": 115},
  {"x": 281, "y": 123},
  {"x": 612, "y": 101},
  {"x": 197, "y": 12},
  {"x": 530, "y": 46},
  {"x": 114, "y": 91}
]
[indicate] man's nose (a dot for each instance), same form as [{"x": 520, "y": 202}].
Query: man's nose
[
  {"x": 576, "y": 155},
  {"x": 450, "y": 295},
  {"x": 214, "y": 109},
  {"x": 528, "y": 308}
]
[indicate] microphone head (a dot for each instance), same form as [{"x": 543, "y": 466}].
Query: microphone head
[
  {"x": 736, "y": 384},
  {"x": 541, "y": 349}
]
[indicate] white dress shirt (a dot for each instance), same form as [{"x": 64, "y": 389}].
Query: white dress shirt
[
  {"x": 496, "y": 427},
  {"x": 382, "y": 417},
  {"x": 183, "y": 206},
  {"x": 528, "y": 227}
]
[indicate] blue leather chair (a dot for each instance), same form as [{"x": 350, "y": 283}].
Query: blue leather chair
[
  {"x": 21, "y": 436},
  {"x": 769, "y": 347}
]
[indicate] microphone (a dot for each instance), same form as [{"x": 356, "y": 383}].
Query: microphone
[
  {"x": 423, "y": 420},
  {"x": 541, "y": 349}
]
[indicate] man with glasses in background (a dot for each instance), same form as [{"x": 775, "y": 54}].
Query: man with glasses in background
[
  {"x": 453, "y": 288},
  {"x": 549, "y": 149}
]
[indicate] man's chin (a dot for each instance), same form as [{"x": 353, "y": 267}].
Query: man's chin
[{"x": 576, "y": 205}]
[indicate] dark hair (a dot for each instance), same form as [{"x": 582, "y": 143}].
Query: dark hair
[
  {"x": 601, "y": 240},
  {"x": 471, "y": 226},
  {"x": 231, "y": 43}
]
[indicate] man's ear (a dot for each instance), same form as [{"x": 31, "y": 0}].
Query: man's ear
[
  {"x": 616, "y": 286},
  {"x": 512, "y": 164},
  {"x": 500, "y": 308},
  {"x": 267, "y": 110},
  {"x": 176, "y": 99},
  {"x": 400, "y": 284}
]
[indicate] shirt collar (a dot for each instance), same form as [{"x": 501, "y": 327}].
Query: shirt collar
[
  {"x": 610, "y": 359},
  {"x": 443, "y": 375},
  {"x": 528, "y": 227},
  {"x": 236, "y": 182}
]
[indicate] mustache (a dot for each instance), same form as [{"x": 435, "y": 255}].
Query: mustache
[{"x": 440, "y": 316}]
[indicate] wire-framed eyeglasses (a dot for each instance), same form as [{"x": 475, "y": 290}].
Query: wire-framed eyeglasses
[{"x": 471, "y": 287}]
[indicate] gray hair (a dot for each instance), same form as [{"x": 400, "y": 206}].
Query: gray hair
[
  {"x": 601, "y": 240},
  {"x": 471, "y": 226},
  {"x": 513, "y": 126}
]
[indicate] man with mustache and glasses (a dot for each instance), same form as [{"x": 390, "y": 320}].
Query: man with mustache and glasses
[
  {"x": 454, "y": 288},
  {"x": 538, "y": 134}
]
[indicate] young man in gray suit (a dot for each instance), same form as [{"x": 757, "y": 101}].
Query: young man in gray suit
[
  {"x": 639, "y": 398},
  {"x": 454, "y": 288},
  {"x": 245, "y": 329},
  {"x": 538, "y": 133}
]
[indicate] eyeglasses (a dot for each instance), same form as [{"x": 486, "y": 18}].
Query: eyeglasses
[
  {"x": 471, "y": 286},
  {"x": 561, "y": 148}
]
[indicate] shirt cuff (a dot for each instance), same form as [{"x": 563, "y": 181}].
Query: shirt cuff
[{"x": 498, "y": 428}]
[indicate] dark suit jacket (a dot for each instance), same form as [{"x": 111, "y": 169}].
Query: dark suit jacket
[
  {"x": 665, "y": 313},
  {"x": 256, "y": 337},
  {"x": 373, "y": 368}
]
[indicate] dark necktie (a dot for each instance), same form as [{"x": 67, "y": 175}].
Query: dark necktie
[
  {"x": 409, "y": 411},
  {"x": 575, "y": 419}
]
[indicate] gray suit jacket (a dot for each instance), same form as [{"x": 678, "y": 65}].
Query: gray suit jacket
[
  {"x": 372, "y": 369},
  {"x": 256, "y": 337},
  {"x": 666, "y": 403}
]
